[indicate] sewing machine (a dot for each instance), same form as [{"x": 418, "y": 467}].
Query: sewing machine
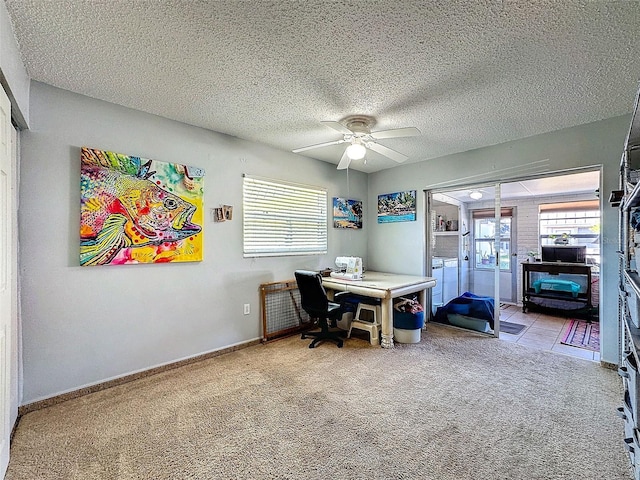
[{"x": 349, "y": 268}]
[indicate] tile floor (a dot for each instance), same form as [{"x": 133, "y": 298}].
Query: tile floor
[{"x": 543, "y": 331}]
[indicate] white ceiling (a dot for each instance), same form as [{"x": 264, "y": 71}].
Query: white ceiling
[
  {"x": 466, "y": 73},
  {"x": 575, "y": 183}
]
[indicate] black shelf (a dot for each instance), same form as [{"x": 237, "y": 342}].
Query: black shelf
[
  {"x": 556, "y": 295},
  {"x": 582, "y": 299}
]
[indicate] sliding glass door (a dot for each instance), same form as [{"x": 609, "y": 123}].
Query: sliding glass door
[
  {"x": 479, "y": 249},
  {"x": 480, "y": 240}
]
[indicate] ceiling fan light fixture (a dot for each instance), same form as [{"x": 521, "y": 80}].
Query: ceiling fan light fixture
[
  {"x": 356, "y": 151},
  {"x": 476, "y": 194}
]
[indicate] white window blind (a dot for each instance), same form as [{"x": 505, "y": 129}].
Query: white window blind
[{"x": 282, "y": 218}]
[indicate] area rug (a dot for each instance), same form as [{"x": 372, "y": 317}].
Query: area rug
[
  {"x": 583, "y": 334},
  {"x": 512, "y": 328}
]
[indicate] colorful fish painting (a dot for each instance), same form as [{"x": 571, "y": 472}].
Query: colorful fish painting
[{"x": 135, "y": 210}]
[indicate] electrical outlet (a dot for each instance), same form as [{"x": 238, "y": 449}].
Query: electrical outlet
[{"x": 247, "y": 308}]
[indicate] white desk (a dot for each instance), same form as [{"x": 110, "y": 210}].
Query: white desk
[{"x": 385, "y": 286}]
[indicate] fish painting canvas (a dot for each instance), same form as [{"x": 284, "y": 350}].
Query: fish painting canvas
[{"x": 135, "y": 210}]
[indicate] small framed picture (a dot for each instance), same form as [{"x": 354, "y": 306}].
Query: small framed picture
[
  {"x": 218, "y": 214},
  {"x": 227, "y": 211}
]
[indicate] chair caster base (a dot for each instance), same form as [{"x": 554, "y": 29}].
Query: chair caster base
[
  {"x": 314, "y": 343},
  {"x": 321, "y": 336}
]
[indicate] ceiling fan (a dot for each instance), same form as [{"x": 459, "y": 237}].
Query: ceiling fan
[{"x": 356, "y": 131}]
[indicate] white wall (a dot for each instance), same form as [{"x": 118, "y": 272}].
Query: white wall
[
  {"x": 399, "y": 247},
  {"x": 84, "y": 325}
]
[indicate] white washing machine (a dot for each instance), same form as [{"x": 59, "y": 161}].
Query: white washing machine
[
  {"x": 437, "y": 271},
  {"x": 449, "y": 280}
]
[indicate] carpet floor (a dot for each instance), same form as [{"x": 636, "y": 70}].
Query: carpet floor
[{"x": 457, "y": 405}]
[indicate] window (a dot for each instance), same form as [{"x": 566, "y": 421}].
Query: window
[
  {"x": 484, "y": 228},
  {"x": 283, "y": 218},
  {"x": 572, "y": 223}
]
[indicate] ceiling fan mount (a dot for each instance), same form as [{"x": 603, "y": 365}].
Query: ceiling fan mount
[
  {"x": 359, "y": 123},
  {"x": 356, "y": 131}
]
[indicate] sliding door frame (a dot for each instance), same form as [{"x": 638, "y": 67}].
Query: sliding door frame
[{"x": 445, "y": 187}]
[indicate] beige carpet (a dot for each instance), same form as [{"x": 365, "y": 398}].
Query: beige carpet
[{"x": 456, "y": 406}]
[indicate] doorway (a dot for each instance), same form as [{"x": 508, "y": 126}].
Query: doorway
[
  {"x": 7, "y": 273},
  {"x": 494, "y": 244},
  {"x": 490, "y": 257}
]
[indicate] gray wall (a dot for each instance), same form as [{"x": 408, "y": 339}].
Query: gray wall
[
  {"x": 399, "y": 247},
  {"x": 84, "y": 325}
]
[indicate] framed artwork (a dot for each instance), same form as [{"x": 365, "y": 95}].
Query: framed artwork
[
  {"x": 223, "y": 213},
  {"x": 397, "y": 207},
  {"x": 227, "y": 211},
  {"x": 218, "y": 214},
  {"x": 135, "y": 210},
  {"x": 347, "y": 213}
]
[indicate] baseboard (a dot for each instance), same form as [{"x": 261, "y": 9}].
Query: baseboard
[
  {"x": 610, "y": 366},
  {"x": 48, "y": 402},
  {"x": 13, "y": 430}
]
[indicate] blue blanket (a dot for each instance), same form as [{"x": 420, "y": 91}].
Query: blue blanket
[{"x": 469, "y": 305}]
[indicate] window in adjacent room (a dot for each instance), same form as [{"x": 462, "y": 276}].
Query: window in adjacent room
[
  {"x": 281, "y": 218},
  {"x": 572, "y": 223},
  {"x": 484, "y": 234}
]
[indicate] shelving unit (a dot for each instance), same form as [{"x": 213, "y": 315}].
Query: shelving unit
[
  {"x": 445, "y": 252},
  {"x": 628, "y": 200}
]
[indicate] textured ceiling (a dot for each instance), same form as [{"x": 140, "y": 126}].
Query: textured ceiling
[{"x": 466, "y": 73}]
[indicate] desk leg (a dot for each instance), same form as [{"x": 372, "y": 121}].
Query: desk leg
[
  {"x": 422, "y": 298},
  {"x": 387, "y": 323}
]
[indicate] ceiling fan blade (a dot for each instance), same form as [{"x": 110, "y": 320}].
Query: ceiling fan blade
[
  {"x": 397, "y": 132},
  {"x": 337, "y": 126},
  {"x": 326, "y": 144},
  {"x": 387, "y": 152},
  {"x": 344, "y": 161}
]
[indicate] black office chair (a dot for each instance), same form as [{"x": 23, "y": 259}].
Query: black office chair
[{"x": 316, "y": 304}]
